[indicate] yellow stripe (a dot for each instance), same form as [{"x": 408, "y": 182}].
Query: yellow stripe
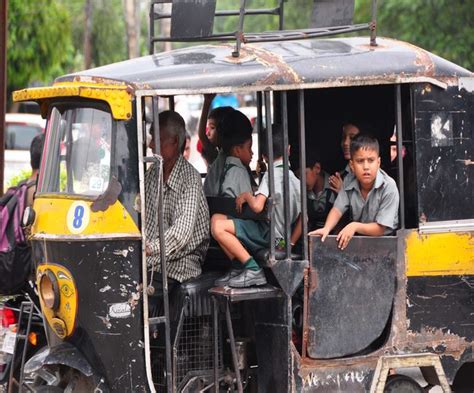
[
  {"x": 440, "y": 254},
  {"x": 55, "y": 216},
  {"x": 118, "y": 97}
]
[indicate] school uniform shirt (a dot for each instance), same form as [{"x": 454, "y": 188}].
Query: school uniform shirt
[
  {"x": 236, "y": 178},
  {"x": 294, "y": 197},
  {"x": 381, "y": 205},
  {"x": 319, "y": 204},
  {"x": 186, "y": 221},
  {"x": 214, "y": 174}
]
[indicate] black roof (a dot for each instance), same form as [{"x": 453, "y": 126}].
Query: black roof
[{"x": 281, "y": 65}]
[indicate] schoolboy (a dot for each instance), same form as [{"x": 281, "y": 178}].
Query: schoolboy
[
  {"x": 219, "y": 134},
  {"x": 320, "y": 196},
  {"x": 371, "y": 196},
  {"x": 237, "y": 146},
  {"x": 240, "y": 239},
  {"x": 349, "y": 131}
]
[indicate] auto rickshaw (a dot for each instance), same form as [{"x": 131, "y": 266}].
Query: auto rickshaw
[{"x": 364, "y": 316}]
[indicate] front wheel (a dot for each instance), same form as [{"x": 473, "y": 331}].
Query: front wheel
[
  {"x": 399, "y": 383},
  {"x": 67, "y": 380}
]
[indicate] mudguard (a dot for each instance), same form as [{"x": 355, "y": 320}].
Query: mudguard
[{"x": 64, "y": 354}]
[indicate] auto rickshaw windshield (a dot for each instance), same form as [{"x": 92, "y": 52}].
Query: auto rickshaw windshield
[{"x": 77, "y": 153}]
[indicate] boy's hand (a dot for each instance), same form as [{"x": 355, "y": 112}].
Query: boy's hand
[
  {"x": 335, "y": 182},
  {"x": 261, "y": 167},
  {"x": 323, "y": 232},
  {"x": 347, "y": 233},
  {"x": 148, "y": 249},
  {"x": 240, "y": 200}
]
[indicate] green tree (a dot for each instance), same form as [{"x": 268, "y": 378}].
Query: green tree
[
  {"x": 39, "y": 43},
  {"x": 443, "y": 27},
  {"x": 108, "y": 38}
]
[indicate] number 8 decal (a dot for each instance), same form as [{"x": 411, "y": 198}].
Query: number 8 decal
[{"x": 77, "y": 217}]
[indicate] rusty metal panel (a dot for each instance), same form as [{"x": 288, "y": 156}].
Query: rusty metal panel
[
  {"x": 332, "y": 13},
  {"x": 192, "y": 18},
  {"x": 279, "y": 65},
  {"x": 444, "y": 153},
  {"x": 351, "y": 295}
]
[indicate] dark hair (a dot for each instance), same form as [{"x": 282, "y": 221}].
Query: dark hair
[
  {"x": 364, "y": 141},
  {"x": 36, "y": 149},
  {"x": 277, "y": 138},
  {"x": 218, "y": 115},
  {"x": 312, "y": 157},
  {"x": 235, "y": 130}
]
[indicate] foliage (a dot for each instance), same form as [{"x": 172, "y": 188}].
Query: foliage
[
  {"x": 22, "y": 175},
  {"x": 39, "y": 43},
  {"x": 443, "y": 27},
  {"x": 45, "y": 39}
]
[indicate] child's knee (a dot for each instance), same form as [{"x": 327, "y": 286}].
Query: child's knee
[{"x": 216, "y": 227}]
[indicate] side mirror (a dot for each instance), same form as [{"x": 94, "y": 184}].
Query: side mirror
[{"x": 29, "y": 216}]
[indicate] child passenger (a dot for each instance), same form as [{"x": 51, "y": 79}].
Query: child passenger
[
  {"x": 242, "y": 239},
  {"x": 371, "y": 196},
  {"x": 320, "y": 196},
  {"x": 349, "y": 131},
  {"x": 237, "y": 146}
]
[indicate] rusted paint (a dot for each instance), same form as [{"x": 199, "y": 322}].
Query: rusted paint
[
  {"x": 423, "y": 59},
  {"x": 278, "y": 66},
  {"x": 437, "y": 341}
]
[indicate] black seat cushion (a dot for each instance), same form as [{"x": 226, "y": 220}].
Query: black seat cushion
[{"x": 196, "y": 289}]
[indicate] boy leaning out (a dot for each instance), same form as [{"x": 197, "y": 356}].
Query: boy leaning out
[{"x": 370, "y": 195}]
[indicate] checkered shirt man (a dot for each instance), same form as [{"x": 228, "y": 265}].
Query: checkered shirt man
[{"x": 186, "y": 221}]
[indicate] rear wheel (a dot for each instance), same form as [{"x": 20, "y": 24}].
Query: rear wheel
[{"x": 399, "y": 383}]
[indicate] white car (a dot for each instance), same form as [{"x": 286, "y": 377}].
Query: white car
[{"x": 20, "y": 129}]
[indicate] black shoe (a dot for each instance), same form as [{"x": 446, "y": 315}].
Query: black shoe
[
  {"x": 248, "y": 278},
  {"x": 224, "y": 280}
]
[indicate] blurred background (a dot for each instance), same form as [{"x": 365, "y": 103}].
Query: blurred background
[{"x": 49, "y": 38}]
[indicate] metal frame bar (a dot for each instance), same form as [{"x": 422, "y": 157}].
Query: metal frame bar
[
  {"x": 141, "y": 176},
  {"x": 161, "y": 232},
  {"x": 215, "y": 316},
  {"x": 373, "y": 30},
  {"x": 302, "y": 141},
  {"x": 286, "y": 175},
  {"x": 255, "y": 11},
  {"x": 271, "y": 174},
  {"x": 240, "y": 32},
  {"x": 401, "y": 182},
  {"x": 290, "y": 35},
  {"x": 260, "y": 125},
  {"x": 175, "y": 341},
  {"x": 235, "y": 361}
]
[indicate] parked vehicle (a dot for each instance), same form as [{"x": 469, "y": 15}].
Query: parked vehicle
[
  {"x": 382, "y": 305},
  {"x": 12, "y": 349},
  {"x": 20, "y": 129}
]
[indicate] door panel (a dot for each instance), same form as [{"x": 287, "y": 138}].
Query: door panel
[{"x": 351, "y": 294}]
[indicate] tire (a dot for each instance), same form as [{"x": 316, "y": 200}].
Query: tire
[{"x": 399, "y": 383}]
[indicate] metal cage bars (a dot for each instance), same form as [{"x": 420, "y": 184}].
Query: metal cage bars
[{"x": 239, "y": 36}]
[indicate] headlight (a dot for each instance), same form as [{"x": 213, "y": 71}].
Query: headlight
[{"x": 49, "y": 290}]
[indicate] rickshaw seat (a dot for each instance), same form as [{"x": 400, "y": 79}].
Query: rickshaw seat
[{"x": 193, "y": 296}]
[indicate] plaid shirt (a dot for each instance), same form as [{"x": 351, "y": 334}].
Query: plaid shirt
[{"x": 186, "y": 221}]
